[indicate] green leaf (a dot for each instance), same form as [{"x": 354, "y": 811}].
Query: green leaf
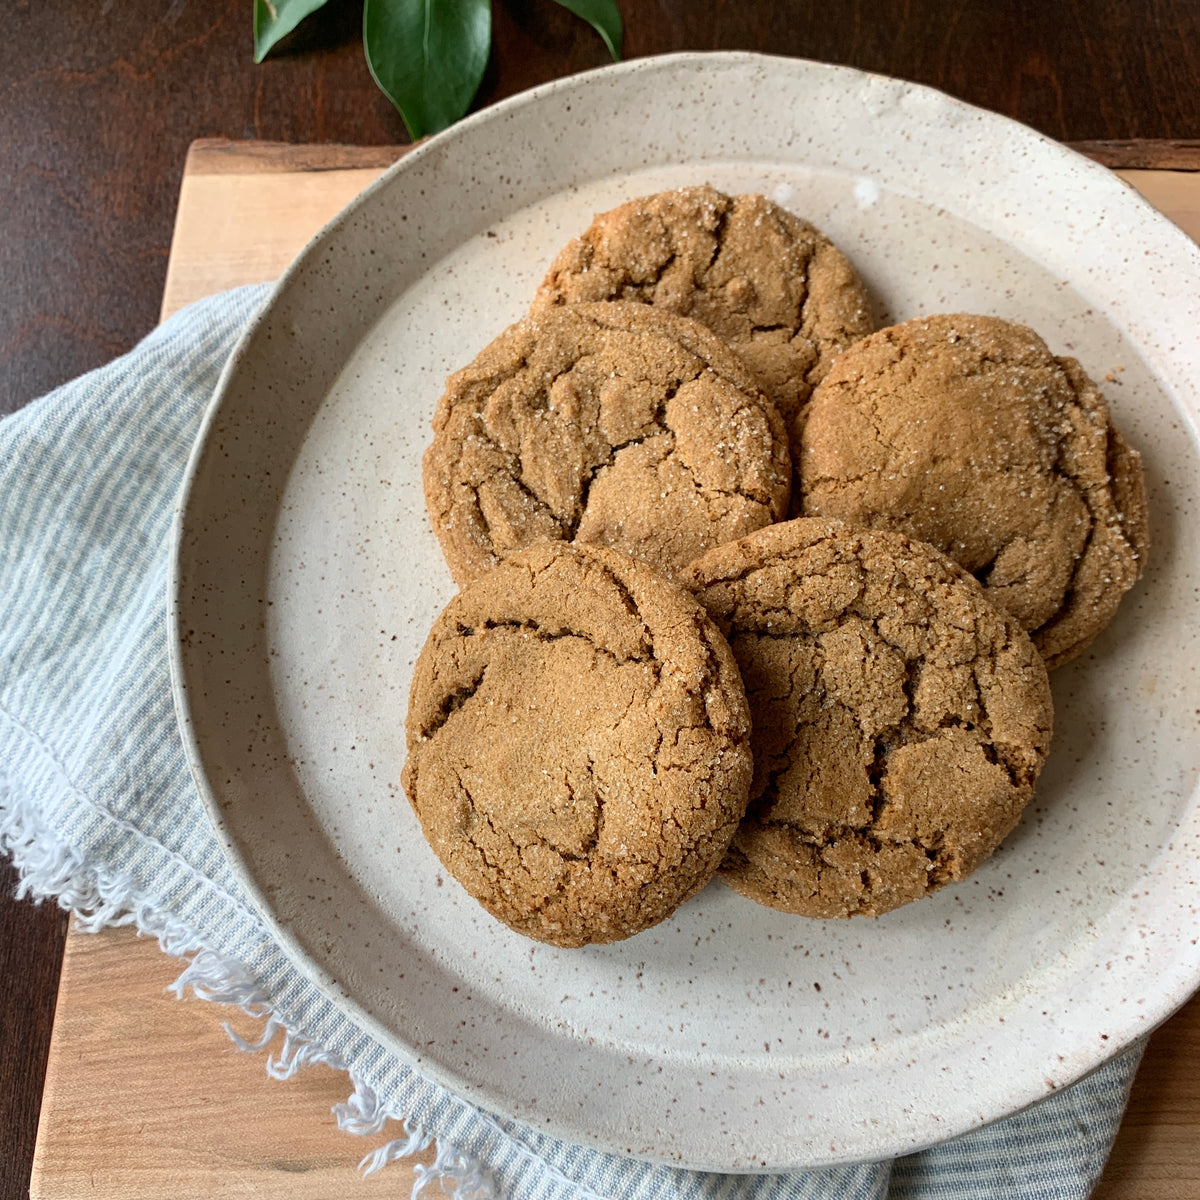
[
  {"x": 428, "y": 56},
  {"x": 604, "y": 17},
  {"x": 274, "y": 19}
]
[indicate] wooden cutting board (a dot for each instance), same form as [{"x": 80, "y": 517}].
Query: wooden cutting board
[{"x": 145, "y": 1094}]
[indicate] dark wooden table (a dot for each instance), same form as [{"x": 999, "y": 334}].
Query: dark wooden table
[{"x": 98, "y": 104}]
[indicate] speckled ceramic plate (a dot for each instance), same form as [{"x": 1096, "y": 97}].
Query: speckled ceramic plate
[{"x": 730, "y": 1037}]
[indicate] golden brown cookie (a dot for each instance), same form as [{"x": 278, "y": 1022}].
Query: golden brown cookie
[
  {"x": 578, "y": 749},
  {"x": 772, "y": 286},
  {"x": 968, "y": 433},
  {"x": 603, "y": 424},
  {"x": 899, "y": 719}
]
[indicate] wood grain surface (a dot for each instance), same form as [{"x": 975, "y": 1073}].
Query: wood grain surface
[
  {"x": 1172, "y": 154},
  {"x": 146, "y": 1096},
  {"x": 149, "y": 1099},
  {"x": 31, "y": 939},
  {"x": 99, "y": 102}
]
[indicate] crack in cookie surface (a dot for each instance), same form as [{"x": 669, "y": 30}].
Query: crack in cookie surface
[
  {"x": 895, "y": 712},
  {"x": 606, "y": 424},
  {"x": 578, "y": 744},
  {"x": 767, "y": 282}
]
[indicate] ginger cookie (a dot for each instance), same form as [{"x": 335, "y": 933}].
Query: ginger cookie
[
  {"x": 899, "y": 719},
  {"x": 603, "y": 424},
  {"x": 966, "y": 432},
  {"x": 578, "y": 744},
  {"x": 768, "y": 283}
]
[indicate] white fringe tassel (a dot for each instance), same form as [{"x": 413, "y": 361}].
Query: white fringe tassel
[
  {"x": 363, "y": 1113},
  {"x": 50, "y": 869}
]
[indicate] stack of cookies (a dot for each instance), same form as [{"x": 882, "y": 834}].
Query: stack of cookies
[{"x": 652, "y": 676}]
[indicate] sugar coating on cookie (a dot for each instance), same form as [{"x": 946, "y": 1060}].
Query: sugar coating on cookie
[
  {"x": 899, "y": 719},
  {"x": 966, "y": 432},
  {"x": 578, "y": 744},
  {"x": 768, "y": 283},
  {"x": 603, "y": 424}
]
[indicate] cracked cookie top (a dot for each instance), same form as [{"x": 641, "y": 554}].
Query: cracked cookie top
[
  {"x": 768, "y": 283},
  {"x": 603, "y": 424},
  {"x": 900, "y": 720},
  {"x": 578, "y": 744},
  {"x": 966, "y": 432}
]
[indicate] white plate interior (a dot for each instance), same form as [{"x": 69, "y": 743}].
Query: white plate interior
[{"x": 731, "y": 1036}]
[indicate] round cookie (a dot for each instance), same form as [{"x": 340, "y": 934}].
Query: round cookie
[
  {"x": 578, "y": 744},
  {"x": 899, "y": 720},
  {"x": 603, "y": 424},
  {"x": 966, "y": 432},
  {"x": 771, "y": 285}
]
